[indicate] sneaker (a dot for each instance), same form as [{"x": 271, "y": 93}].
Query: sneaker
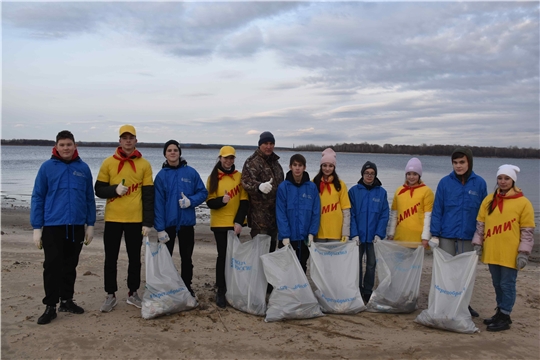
[
  {"x": 110, "y": 302},
  {"x": 48, "y": 315},
  {"x": 70, "y": 306},
  {"x": 220, "y": 300},
  {"x": 134, "y": 300},
  {"x": 495, "y": 317},
  {"x": 473, "y": 312}
]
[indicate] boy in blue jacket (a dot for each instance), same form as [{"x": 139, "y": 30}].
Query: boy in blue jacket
[
  {"x": 62, "y": 204},
  {"x": 179, "y": 189},
  {"x": 369, "y": 217},
  {"x": 298, "y": 209}
]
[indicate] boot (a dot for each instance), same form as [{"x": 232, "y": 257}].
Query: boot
[
  {"x": 473, "y": 312},
  {"x": 494, "y": 318},
  {"x": 48, "y": 315},
  {"x": 502, "y": 323},
  {"x": 220, "y": 300}
]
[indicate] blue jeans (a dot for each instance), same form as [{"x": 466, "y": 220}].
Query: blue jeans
[
  {"x": 504, "y": 282},
  {"x": 366, "y": 286}
]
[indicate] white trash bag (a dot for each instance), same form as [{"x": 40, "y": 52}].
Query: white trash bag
[
  {"x": 452, "y": 285},
  {"x": 292, "y": 297},
  {"x": 246, "y": 284},
  {"x": 335, "y": 271},
  {"x": 399, "y": 269},
  {"x": 165, "y": 291}
]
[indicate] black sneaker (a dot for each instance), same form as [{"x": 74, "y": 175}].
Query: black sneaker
[
  {"x": 473, "y": 312},
  {"x": 48, "y": 315},
  {"x": 70, "y": 306},
  {"x": 502, "y": 323},
  {"x": 220, "y": 300},
  {"x": 494, "y": 318}
]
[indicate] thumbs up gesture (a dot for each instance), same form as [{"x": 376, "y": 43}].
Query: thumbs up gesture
[
  {"x": 226, "y": 197},
  {"x": 184, "y": 202},
  {"x": 266, "y": 187}
]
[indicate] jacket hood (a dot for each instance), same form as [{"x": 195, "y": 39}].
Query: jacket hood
[
  {"x": 468, "y": 154},
  {"x": 375, "y": 183},
  {"x": 290, "y": 177},
  {"x": 182, "y": 163}
]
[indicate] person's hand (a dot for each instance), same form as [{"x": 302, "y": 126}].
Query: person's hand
[
  {"x": 286, "y": 241},
  {"x": 425, "y": 243},
  {"x": 344, "y": 239},
  {"x": 522, "y": 260},
  {"x": 184, "y": 201},
  {"x": 478, "y": 249},
  {"x": 37, "y": 239},
  {"x": 163, "y": 237},
  {"x": 237, "y": 228},
  {"x": 356, "y": 239},
  {"x": 266, "y": 187},
  {"x": 391, "y": 237},
  {"x": 146, "y": 230},
  {"x": 226, "y": 197},
  {"x": 310, "y": 239},
  {"x": 433, "y": 242},
  {"x": 89, "y": 236},
  {"x": 121, "y": 189},
  {"x": 376, "y": 238}
]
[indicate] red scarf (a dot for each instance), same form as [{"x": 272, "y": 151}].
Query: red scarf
[
  {"x": 122, "y": 157},
  {"x": 221, "y": 174},
  {"x": 498, "y": 200},
  {"x": 410, "y": 188},
  {"x": 326, "y": 184},
  {"x": 56, "y": 154}
]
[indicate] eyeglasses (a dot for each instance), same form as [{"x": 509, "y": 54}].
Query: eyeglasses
[{"x": 369, "y": 174}]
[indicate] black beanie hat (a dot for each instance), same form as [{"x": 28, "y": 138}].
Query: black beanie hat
[
  {"x": 369, "y": 165},
  {"x": 266, "y": 137},
  {"x": 171, "y": 142}
]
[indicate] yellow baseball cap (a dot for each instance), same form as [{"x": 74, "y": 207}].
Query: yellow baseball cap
[
  {"x": 227, "y": 151},
  {"x": 127, "y": 129}
]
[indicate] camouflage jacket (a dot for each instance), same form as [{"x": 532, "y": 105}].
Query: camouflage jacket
[{"x": 260, "y": 168}]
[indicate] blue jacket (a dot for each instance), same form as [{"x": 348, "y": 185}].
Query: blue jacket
[
  {"x": 456, "y": 206},
  {"x": 169, "y": 183},
  {"x": 63, "y": 194},
  {"x": 369, "y": 212},
  {"x": 298, "y": 208}
]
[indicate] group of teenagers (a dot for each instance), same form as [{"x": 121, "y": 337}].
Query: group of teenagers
[{"x": 291, "y": 208}]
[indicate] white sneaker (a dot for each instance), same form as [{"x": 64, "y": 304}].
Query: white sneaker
[
  {"x": 134, "y": 300},
  {"x": 109, "y": 303}
]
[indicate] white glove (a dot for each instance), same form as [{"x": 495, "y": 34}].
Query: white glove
[
  {"x": 146, "y": 230},
  {"x": 266, "y": 187},
  {"x": 37, "y": 238},
  {"x": 433, "y": 242},
  {"x": 310, "y": 239},
  {"x": 184, "y": 202},
  {"x": 376, "y": 238},
  {"x": 121, "y": 189},
  {"x": 522, "y": 260},
  {"x": 344, "y": 239},
  {"x": 286, "y": 241},
  {"x": 163, "y": 237},
  {"x": 478, "y": 249},
  {"x": 89, "y": 235},
  {"x": 356, "y": 239},
  {"x": 226, "y": 197},
  {"x": 237, "y": 228}
]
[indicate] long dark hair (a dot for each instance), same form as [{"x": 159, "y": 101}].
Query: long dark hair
[
  {"x": 490, "y": 204},
  {"x": 214, "y": 178},
  {"x": 317, "y": 179}
]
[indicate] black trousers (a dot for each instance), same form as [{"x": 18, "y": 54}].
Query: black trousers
[
  {"x": 221, "y": 244},
  {"x": 186, "y": 243},
  {"x": 112, "y": 237},
  {"x": 62, "y": 246}
]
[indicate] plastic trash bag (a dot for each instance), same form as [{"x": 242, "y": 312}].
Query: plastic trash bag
[
  {"x": 452, "y": 285},
  {"x": 165, "y": 291},
  {"x": 399, "y": 269},
  {"x": 292, "y": 297},
  {"x": 246, "y": 284},
  {"x": 335, "y": 271}
]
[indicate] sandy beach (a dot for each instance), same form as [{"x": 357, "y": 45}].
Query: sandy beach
[{"x": 210, "y": 333}]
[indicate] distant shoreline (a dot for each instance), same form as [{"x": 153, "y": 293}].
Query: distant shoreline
[{"x": 363, "y": 148}]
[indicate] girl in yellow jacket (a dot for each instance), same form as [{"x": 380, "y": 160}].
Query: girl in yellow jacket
[
  {"x": 228, "y": 203},
  {"x": 504, "y": 238},
  {"x": 335, "y": 222},
  {"x": 410, "y": 215}
]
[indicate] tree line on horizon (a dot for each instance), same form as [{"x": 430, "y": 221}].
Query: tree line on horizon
[{"x": 424, "y": 149}]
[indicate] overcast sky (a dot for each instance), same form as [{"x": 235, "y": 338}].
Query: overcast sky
[{"x": 311, "y": 73}]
